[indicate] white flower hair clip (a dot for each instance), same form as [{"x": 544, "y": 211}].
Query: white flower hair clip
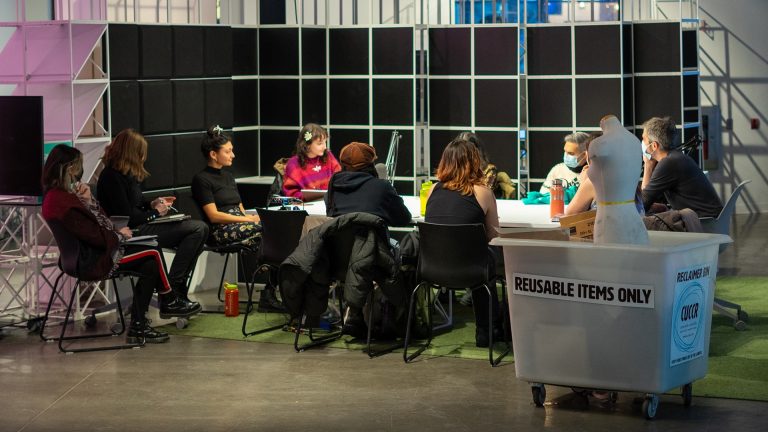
[
  {"x": 307, "y": 136},
  {"x": 217, "y": 130}
]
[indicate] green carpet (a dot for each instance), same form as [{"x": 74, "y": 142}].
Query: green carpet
[{"x": 738, "y": 360}]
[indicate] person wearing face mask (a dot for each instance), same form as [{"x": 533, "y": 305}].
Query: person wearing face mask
[
  {"x": 670, "y": 175},
  {"x": 312, "y": 166},
  {"x": 574, "y": 160}
]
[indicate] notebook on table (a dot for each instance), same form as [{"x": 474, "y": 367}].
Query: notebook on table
[{"x": 313, "y": 194}]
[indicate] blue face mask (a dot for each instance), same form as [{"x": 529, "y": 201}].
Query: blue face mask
[
  {"x": 570, "y": 161},
  {"x": 645, "y": 153}
]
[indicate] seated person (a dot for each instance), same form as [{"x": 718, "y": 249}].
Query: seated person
[
  {"x": 69, "y": 202},
  {"x": 461, "y": 197},
  {"x": 671, "y": 175},
  {"x": 215, "y": 192},
  {"x": 573, "y": 162},
  {"x": 357, "y": 188},
  {"x": 498, "y": 181},
  {"x": 121, "y": 195},
  {"x": 312, "y": 166}
]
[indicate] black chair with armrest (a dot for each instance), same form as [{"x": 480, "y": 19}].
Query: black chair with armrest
[
  {"x": 722, "y": 225},
  {"x": 69, "y": 253},
  {"x": 279, "y": 237},
  {"x": 452, "y": 257}
]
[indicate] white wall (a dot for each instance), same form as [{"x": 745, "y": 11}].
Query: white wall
[{"x": 734, "y": 66}]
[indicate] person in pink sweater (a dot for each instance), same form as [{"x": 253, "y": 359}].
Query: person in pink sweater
[{"x": 312, "y": 166}]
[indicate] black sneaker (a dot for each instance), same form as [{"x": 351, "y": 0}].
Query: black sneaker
[
  {"x": 268, "y": 301},
  {"x": 193, "y": 305},
  {"x": 173, "y": 306},
  {"x": 142, "y": 332}
]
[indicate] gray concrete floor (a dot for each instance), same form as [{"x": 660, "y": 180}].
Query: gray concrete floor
[{"x": 196, "y": 384}]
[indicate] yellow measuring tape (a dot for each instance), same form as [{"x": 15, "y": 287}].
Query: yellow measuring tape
[{"x": 607, "y": 203}]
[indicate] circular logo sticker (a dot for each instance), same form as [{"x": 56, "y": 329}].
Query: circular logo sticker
[{"x": 687, "y": 319}]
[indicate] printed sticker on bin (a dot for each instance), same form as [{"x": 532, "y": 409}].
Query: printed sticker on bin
[
  {"x": 598, "y": 292},
  {"x": 689, "y": 315}
]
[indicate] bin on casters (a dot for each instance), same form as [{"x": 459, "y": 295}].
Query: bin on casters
[{"x": 610, "y": 316}]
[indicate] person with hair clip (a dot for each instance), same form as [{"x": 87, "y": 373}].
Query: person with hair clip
[
  {"x": 312, "y": 165},
  {"x": 461, "y": 197},
  {"x": 69, "y": 203},
  {"x": 215, "y": 192},
  {"x": 120, "y": 194}
]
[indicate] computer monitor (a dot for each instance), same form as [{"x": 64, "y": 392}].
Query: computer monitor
[{"x": 21, "y": 143}]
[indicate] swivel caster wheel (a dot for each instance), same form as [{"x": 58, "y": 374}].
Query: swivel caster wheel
[
  {"x": 650, "y": 405},
  {"x": 90, "y": 321},
  {"x": 687, "y": 394},
  {"x": 34, "y": 324},
  {"x": 182, "y": 323},
  {"x": 740, "y": 325},
  {"x": 116, "y": 328},
  {"x": 539, "y": 394}
]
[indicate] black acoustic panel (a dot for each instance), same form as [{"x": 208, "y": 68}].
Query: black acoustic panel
[
  {"x": 156, "y": 51},
  {"x": 338, "y": 138},
  {"x": 186, "y": 204},
  {"x": 549, "y": 50},
  {"x": 656, "y": 47},
  {"x": 160, "y": 163},
  {"x": 189, "y": 158},
  {"x": 598, "y": 49},
  {"x": 123, "y": 51},
  {"x": 438, "y": 140},
  {"x": 496, "y": 103},
  {"x": 690, "y": 49},
  {"x": 272, "y": 12},
  {"x": 279, "y": 51},
  {"x": 501, "y": 148},
  {"x": 549, "y": 103},
  {"x": 279, "y": 102},
  {"x": 349, "y": 101},
  {"x": 245, "y": 94},
  {"x": 691, "y": 116},
  {"x": 404, "y": 187},
  {"x": 393, "y": 51},
  {"x": 218, "y": 51},
  {"x": 348, "y": 51},
  {"x": 188, "y": 106},
  {"x": 449, "y": 102},
  {"x": 657, "y": 96},
  {"x": 496, "y": 50},
  {"x": 156, "y": 107},
  {"x": 629, "y": 103},
  {"x": 449, "y": 51},
  {"x": 691, "y": 91},
  {"x": 313, "y": 48},
  {"x": 314, "y": 96},
  {"x": 125, "y": 105},
  {"x": 275, "y": 144},
  {"x": 245, "y": 51},
  {"x": 219, "y": 103},
  {"x": 627, "y": 47},
  {"x": 545, "y": 150},
  {"x": 596, "y": 98},
  {"x": 246, "y": 148},
  {"x": 382, "y": 138},
  {"x": 187, "y": 51},
  {"x": 393, "y": 102}
]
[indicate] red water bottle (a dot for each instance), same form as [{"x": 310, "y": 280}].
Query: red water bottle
[
  {"x": 231, "y": 300},
  {"x": 556, "y": 198}
]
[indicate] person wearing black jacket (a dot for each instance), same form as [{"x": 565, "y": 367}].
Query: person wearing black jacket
[
  {"x": 357, "y": 188},
  {"x": 120, "y": 195}
]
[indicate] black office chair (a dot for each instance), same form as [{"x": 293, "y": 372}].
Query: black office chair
[
  {"x": 722, "y": 225},
  {"x": 452, "y": 257},
  {"x": 69, "y": 253},
  {"x": 280, "y": 236}
]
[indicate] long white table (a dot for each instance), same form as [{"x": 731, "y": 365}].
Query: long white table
[{"x": 512, "y": 213}]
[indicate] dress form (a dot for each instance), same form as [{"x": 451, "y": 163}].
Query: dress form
[{"x": 615, "y": 166}]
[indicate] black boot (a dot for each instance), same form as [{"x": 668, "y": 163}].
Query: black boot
[
  {"x": 181, "y": 291},
  {"x": 268, "y": 301},
  {"x": 141, "y": 332},
  {"x": 354, "y": 324},
  {"x": 171, "y": 305}
]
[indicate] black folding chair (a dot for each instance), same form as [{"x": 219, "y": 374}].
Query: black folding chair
[
  {"x": 452, "y": 257},
  {"x": 281, "y": 231},
  {"x": 69, "y": 252}
]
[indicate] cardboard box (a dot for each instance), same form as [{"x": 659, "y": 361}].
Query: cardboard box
[
  {"x": 534, "y": 233},
  {"x": 579, "y": 225}
]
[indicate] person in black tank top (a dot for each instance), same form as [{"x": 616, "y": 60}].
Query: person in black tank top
[{"x": 460, "y": 197}]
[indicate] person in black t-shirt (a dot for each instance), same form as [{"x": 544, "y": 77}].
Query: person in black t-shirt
[
  {"x": 672, "y": 175},
  {"x": 215, "y": 192}
]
